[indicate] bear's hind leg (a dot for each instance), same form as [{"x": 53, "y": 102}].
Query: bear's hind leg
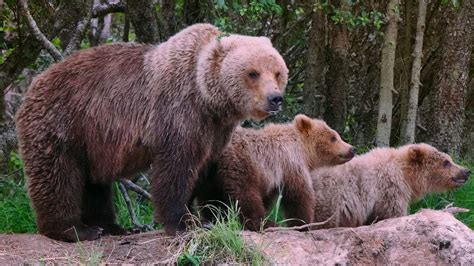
[
  {"x": 252, "y": 209},
  {"x": 98, "y": 209},
  {"x": 55, "y": 184}
]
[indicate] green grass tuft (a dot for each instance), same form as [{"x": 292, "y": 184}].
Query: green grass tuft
[
  {"x": 220, "y": 244},
  {"x": 16, "y": 214}
]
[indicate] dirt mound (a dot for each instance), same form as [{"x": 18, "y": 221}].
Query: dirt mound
[{"x": 433, "y": 237}]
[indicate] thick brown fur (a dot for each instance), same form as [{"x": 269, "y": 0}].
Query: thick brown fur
[
  {"x": 109, "y": 112},
  {"x": 381, "y": 183},
  {"x": 259, "y": 163}
]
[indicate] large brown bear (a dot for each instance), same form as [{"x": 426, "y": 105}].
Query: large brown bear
[
  {"x": 381, "y": 183},
  {"x": 259, "y": 163},
  {"x": 109, "y": 112}
]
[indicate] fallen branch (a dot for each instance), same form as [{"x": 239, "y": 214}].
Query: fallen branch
[
  {"x": 52, "y": 50},
  {"x": 454, "y": 210},
  {"x": 106, "y": 8},
  {"x": 137, "y": 226},
  {"x": 132, "y": 186},
  {"x": 133, "y": 216},
  {"x": 301, "y": 227}
]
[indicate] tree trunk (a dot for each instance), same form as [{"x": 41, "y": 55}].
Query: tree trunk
[
  {"x": 143, "y": 18},
  {"x": 450, "y": 85},
  {"x": 405, "y": 83},
  {"x": 415, "y": 74},
  {"x": 314, "y": 84},
  {"x": 384, "y": 121},
  {"x": 337, "y": 76},
  {"x": 167, "y": 19},
  {"x": 8, "y": 142},
  {"x": 3, "y": 109}
]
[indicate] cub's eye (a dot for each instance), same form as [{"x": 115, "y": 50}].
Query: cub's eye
[
  {"x": 277, "y": 75},
  {"x": 333, "y": 139},
  {"x": 446, "y": 163},
  {"x": 254, "y": 75}
]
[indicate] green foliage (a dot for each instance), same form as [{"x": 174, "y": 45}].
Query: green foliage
[
  {"x": 454, "y": 3},
  {"x": 6, "y": 27},
  {"x": 244, "y": 17},
  {"x": 349, "y": 17},
  {"x": 222, "y": 243},
  {"x": 16, "y": 213}
]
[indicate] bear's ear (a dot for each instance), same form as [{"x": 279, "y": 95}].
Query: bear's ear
[
  {"x": 229, "y": 42},
  {"x": 267, "y": 41},
  {"x": 303, "y": 123},
  {"x": 415, "y": 154}
]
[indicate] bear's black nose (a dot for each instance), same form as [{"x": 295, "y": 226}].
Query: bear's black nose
[
  {"x": 466, "y": 173},
  {"x": 275, "y": 99},
  {"x": 353, "y": 151}
]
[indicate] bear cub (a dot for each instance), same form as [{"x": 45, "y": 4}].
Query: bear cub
[
  {"x": 258, "y": 164},
  {"x": 381, "y": 184}
]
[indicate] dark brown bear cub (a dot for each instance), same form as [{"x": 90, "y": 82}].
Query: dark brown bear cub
[
  {"x": 109, "y": 112},
  {"x": 259, "y": 163}
]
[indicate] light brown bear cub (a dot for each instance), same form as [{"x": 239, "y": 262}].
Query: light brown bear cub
[
  {"x": 381, "y": 183},
  {"x": 258, "y": 163}
]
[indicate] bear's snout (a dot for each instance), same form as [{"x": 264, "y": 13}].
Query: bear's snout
[
  {"x": 347, "y": 156},
  {"x": 465, "y": 173},
  {"x": 352, "y": 151},
  {"x": 275, "y": 102},
  {"x": 462, "y": 177}
]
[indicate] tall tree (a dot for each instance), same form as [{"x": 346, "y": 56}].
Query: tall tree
[
  {"x": 405, "y": 82},
  {"x": 167, "y": 19},
  {"x": 384, "y": 120},
  {"x": 449, "y": 92},
  {"x": 415, "y": 74},
  {"x": 337, "y": 75},
  {"x": 315, "y": 78},
  {"x": 143, "y": 18}
]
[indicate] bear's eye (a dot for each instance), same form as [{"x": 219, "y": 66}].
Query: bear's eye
[
  {"x": 277, "y": 75},
  {"x": 446, "y": 163},
  {"x": 254, "y": 74},
  {"x": 333, "y": 139}
]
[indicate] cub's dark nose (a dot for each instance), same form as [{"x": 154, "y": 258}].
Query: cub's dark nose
[
  {"x": 466, "y": 173},
  {"x": 353, "y": 151},
  {"x": 275, "y": 100}
]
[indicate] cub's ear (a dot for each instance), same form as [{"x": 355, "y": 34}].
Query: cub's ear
[
  {"x": 303, "y": 123},
  {"x": 416, "y": 154}
]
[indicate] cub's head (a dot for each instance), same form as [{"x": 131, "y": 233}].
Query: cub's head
[
  {"x": 431, "y": 170},
  {"x": 323, "y": 144},
  {"x": 245, "y": 73}
]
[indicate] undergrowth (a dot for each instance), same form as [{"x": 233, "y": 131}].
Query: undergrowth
[{"x": 221, "y": 243}]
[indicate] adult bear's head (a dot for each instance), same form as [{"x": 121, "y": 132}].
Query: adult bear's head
[{"x": 242, "y": 73}]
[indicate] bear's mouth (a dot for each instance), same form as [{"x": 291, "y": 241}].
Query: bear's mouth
[
  {"x": 273, "y": 110},
  {"x": 459, "y": 181},
  {"x": 345, "y": 157}
]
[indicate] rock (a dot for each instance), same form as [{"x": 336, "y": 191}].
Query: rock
[{"x": 427, "y": 237}]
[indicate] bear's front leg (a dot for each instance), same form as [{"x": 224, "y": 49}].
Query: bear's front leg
[
  {"x": 172, "y": 185},
  {"x": 298, "y": 201}
]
